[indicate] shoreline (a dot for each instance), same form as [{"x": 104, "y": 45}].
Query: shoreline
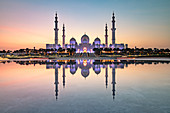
[{"x": 93, "y": 58}]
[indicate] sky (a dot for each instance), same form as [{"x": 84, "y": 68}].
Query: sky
[{"x": 30, "y": 23}]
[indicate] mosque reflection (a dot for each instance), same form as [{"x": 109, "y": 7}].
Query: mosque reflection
[{"x": 85, "y": 66}]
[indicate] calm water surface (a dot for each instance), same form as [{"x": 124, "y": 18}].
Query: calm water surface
[{"x": 85, "y": 87}]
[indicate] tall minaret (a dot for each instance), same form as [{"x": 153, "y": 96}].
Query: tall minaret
[
  {"x": 56, "y": 82},
  {"x": 63, "y": 36},
  {"x": 113, "y": 29},
  {"x": 56, "y": 29},
  {"x": 106, "y": 36},
  {"x": 113, "y": 82}
]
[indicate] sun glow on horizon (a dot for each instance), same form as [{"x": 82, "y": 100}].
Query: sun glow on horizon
[{"x": 31, "y": 24}]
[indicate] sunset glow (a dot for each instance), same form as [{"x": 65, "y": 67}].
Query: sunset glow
[{"x": 28, "y": 24}]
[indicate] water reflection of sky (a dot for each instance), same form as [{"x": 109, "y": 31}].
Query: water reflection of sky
[{"x": 100, "y": 86}]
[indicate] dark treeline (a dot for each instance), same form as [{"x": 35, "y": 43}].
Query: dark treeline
[
  {"x": 132, "y": 51},
  {"x": 97, "y": 51},
  {"x": 41, "y": 51}
]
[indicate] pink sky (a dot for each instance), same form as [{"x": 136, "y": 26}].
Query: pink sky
[{"x": 31, "y": 24}]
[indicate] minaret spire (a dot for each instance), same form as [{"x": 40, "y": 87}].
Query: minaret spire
[
  {"x": 63, "y": 36},
  {"x": 106, "y": 36},
  {"x": 56, "y": 29},
  {"x": 113, "y": 29}
]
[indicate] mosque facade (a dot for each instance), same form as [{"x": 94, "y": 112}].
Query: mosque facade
[{"x": 85, "y": 46}]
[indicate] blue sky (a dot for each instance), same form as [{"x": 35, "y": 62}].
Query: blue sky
[{"x": 141, "y": 23}]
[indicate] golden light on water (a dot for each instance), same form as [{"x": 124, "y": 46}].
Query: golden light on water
[{"x": 85, "y": 63}]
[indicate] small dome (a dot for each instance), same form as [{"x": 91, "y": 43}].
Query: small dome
[
  {"x": 84, "y": 39},
  {"x": 97, "y": 41},
  {"x": 97, "y": 71},
  {"x": 72, "y": 41},
  {"x": 85, "y": 73},
  {"x": 73, "y": 71}
]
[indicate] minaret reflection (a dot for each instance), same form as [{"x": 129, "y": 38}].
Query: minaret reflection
[
  {"x": 106, "y": 76},
  {"x": 63, "y": 76},
  {"x": 56, "y": 82},
  {"x": 113, "y": 82}
]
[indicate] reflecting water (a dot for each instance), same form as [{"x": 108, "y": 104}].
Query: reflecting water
[{"x": 82, "y": 86}]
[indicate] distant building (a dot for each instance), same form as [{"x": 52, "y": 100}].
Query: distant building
[{"x": 85, "y": 46}]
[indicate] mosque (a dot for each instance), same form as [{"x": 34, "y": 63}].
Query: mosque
[{"x": 85, "y": 46}]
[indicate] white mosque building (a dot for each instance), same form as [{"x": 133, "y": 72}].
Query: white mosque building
[{"x": 85, "y": 46}]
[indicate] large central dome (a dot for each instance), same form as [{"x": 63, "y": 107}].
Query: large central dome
[{"x": 84, "y": 39}]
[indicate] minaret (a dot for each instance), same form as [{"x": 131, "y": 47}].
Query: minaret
[
  {"x": 113, "y": 29},
  {"x": 106, "y": 76},
  {"x": 56, "y": 82},
  {"x": 63, "y": 36},
  {"x": 56, "y": 29},
  {"x": 113, "y": 82},
  {"x": 64, "y": 76},
  {"x": 106, "y": 36}
]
